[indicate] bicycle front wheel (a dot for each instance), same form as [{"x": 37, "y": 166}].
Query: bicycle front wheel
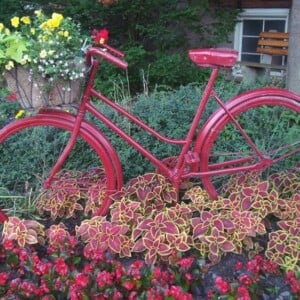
[
  {"x": 29, "y": 148},
  {"x": 270, "y": 118}
]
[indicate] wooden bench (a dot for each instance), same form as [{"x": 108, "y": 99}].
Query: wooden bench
[
  {"x": 270, "y": 43},
  {"x": 273, "y": 43}
]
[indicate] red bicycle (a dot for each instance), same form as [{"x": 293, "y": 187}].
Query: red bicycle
[{"x": 256, "y": 131}]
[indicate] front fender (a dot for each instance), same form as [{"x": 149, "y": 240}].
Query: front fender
[{"x": 66, "y": 120}]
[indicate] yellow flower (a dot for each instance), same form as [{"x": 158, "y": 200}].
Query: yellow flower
[
  {"x": 64, "y": 33},
  {"x": 26, "y": 20},
  {"x": 54, "y": 22},
  {"x": 43, "y": 54},
  {"x": 38, "y": 13},
  {"x": 20, "y": 113},
  {"x": 57, "y": 17},
  {"x": 32, "y": 30},
  {"x": 9, "y": 65},
  {"x": 44, "y": 25},
  {"x": 1, "y": 26},
  {"x": 15, "y": 21}
]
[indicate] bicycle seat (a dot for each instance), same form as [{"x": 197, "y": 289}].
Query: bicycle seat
[{"x": 212, "y": 57}]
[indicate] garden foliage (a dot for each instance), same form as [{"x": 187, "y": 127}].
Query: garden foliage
[
  {"x": 154, "y": 34},
  {"x": 179, "y": 237}
]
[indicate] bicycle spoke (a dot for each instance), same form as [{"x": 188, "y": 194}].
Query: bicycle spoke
[{"x": 274, "y": 129}]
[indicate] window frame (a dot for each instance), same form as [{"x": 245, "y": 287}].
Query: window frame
[{"x": 257, "y": 14}]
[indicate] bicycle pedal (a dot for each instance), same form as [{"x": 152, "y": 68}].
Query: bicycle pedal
[{"x": 192, "y": 157}]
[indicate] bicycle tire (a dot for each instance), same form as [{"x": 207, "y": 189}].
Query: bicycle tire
[
  {"x": 258, "y": 112},
  {"x": 30, "y": 160}
]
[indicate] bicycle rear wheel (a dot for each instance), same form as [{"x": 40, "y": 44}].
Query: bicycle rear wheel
[
  {"x": 271, "y": 118},
  {"x": 30, "y": 147}
]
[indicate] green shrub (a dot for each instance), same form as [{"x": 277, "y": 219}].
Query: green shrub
[
  {"x": 8, "y": 110},
  {"x": 170, "y": 112}
]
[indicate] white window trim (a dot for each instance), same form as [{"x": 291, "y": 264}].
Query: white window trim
[{"x": 257, "y": 13}]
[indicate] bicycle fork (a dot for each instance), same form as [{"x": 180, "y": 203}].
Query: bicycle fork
[{"x": 67, "y": 150}]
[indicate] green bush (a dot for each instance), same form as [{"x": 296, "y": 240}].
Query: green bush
[
  {"x": 8, "y": 110},
  {"x": 169, "y": 112}
]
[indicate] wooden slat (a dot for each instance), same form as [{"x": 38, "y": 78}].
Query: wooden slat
[
  {"x": 274, "y": 35},
  {"x": 273, "y": 43},
  {"x": 272, "y": 51}
]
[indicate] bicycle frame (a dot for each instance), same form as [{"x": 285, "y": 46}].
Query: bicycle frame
[
  {"x": 195, "y": 158},
  {"x": 186, "y": 155}
]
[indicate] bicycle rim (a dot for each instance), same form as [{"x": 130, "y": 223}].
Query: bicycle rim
[
  {"x": 27, "y": 157},
  {"x": 273, "y": 127}
]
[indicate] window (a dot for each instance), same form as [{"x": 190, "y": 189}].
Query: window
[{"x": 252, "y": 22}]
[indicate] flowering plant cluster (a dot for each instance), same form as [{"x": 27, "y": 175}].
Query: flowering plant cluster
[
  {"x": 146, "y": 223},
  {"x": 145, "y": 217},
  {"x": 248, "y": 282},
  {"x": 49, "y": 46},
  {"x": 64, "y": 269}
]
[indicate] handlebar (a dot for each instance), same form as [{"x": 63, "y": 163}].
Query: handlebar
[
  {"x": 108, "y": 53},
  {"x": 114, "y": 51}
]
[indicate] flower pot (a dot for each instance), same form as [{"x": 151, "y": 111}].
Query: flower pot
[
  {"x": 34, "y": 92},
  {"x": 65, "y": 93},
  {"x": 30, "y": 92}
]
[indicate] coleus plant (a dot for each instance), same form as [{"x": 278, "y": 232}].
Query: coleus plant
[
  {"x": 59, "y": 238},
  {"x": 132, "y": 228},
  {"x": 68, "y": 189},
  {"x": 145, "y": 217},
  {"x": 24, "y": 232},
  {"x": 159, "y": 235},
  {"x": 100, "y": 234},
  {"x": 287, "y": 183},
  {"x": 284, "y": 244}
]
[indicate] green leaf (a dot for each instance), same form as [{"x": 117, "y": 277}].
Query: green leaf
[
  {"x": 12, "y": 259},
  {"x": 16, "y": 50},
  {"x": 76, "y": 260}
]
